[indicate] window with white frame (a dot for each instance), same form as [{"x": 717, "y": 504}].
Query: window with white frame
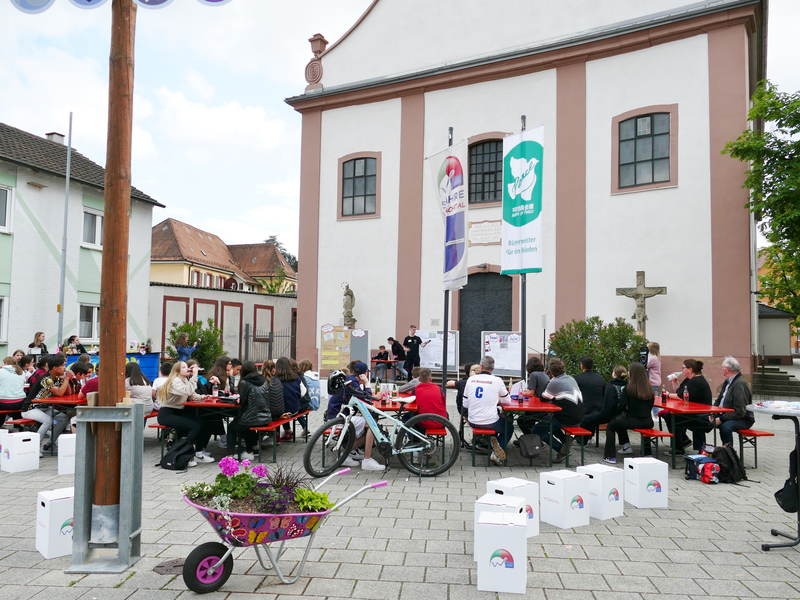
[
  {"x": 5, "y": 209},
  {"x": 92, "y": 227},
  {"x": 3, "y": 318},
  {"x": 195, "y": 278},
  {"x": 89, "y": 327},
  {"x": 208, "y": 280}
]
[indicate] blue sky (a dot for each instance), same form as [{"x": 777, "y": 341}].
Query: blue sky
[{"x": 213, "y": 139}]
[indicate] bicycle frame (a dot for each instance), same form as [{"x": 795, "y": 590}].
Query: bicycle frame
[{"x": 365, "y": 409}]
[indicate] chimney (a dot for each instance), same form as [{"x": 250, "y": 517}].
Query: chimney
[{"x": 53, "y": 136}]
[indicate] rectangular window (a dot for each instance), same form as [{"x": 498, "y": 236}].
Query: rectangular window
[
  {"x": 3, "y": 318},
  {"x": 486, "y": 172},
  {"x": 5, "y": 209},
  {"x": 195, "y": 278},
  {"x": 89, "y": 327},
  {"x": 92, "y": 228},
  {"x": 208, "y": 280},
  {"x": 359, "y": 186},
  {"x": 644, "y": 150}
]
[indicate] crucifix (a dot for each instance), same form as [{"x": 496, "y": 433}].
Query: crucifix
[{"x": 640, "y": 293}]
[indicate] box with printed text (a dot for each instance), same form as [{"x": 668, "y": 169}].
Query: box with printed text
[
  {"x": 606, "y": 499},
  {"x": 503, "y": 553},
  {"x": 54, "y": 512},
  {"x": 496, "y": 503},
  {"x": 20, "y": 452},
  {"x": 514, "y": 486},
  {"x": 646, "y": 482},
  {"x": 564, "y": 497}
]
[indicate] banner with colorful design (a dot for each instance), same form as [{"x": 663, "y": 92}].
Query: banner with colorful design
[
  {"x": 523, "y": 161},
  {"x": 449, "y": 172},
  {"x": 33, "y": 7}
]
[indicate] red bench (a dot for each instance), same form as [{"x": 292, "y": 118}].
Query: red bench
[
  {"x": 273, "y": 428},
  {"x": 578, "y": 432},
  {"x": 161, "y": 434},
  {"x": 750, "y": 437},
  {"x": 481, "y": 432},
  {"x": 22, "y": 422},
  {"x": 653, "y": 434}
]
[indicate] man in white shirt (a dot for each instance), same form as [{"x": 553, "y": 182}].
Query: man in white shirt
[{"x": 482, "y": 394}]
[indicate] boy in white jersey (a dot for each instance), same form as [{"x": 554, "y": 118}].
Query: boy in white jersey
[{"x": 482, "y": 394}]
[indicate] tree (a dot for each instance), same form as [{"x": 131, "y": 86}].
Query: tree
[
  {"x": 774, "y": 156},
  {"x": 274, "y": 285},
  {"x": 210, "y": 347},
  {"x": 773, "y": 152},
  {"x": 615, "y": 343},
  {"x": 290, "y": 258}
]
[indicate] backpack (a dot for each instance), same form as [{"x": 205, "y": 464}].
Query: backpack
[
  {"x": 178, "y": 457},
  {"x": 530, "y": 445},
  {"x": 695, "y": 464},
  {"x": 731, "y": 469},
  {"x": 787, "y": 496}
]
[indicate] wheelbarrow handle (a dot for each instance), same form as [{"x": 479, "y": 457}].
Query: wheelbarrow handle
[
  {"x": 331, "y": 476},
  {"x": 357, "y": 492}
]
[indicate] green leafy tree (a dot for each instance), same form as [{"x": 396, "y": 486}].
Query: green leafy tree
[
  {"x": 772, "y": 150},
  {"x": 290, "y": 258},
  {"x": 210, "y": 347},
  {"x": 611, "y": 344},
  {"x": 274, "y": 285}
]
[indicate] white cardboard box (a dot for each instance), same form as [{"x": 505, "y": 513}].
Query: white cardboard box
[
  {"x": 54, "y": 512},
  {"x": 20, "y": 452},
  {"x": 514, "y": 486},
  {"x": 496, "y": 503},
  {"x": 646, "y": 482},
  {"x": 66, "y": 453},
  {"x": 3, "y": 433},
  {"x": 564, "y": 497},
  {"x": 606, "y": 498},
  {"x": 503, "y": 553}
]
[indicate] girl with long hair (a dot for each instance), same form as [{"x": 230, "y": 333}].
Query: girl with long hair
[
  {"x": 183, "y": 348},
  {"x": 254, "y": 400},
  {"x": 220, "y": 373},
  {"x": 295, "y": 394},
  {"x": 38, "y": 342},
  {"x": 139, "y": 386},
  {"x": 637, "y": 405},
  {"x": 276, "y": 404}
]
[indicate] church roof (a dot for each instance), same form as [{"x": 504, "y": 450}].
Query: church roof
[{"x": 40, "y": 154}]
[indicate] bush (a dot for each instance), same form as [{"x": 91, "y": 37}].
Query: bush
[
  {"x": 611, "y": 344},
  {"x": 208, "y": 350}
]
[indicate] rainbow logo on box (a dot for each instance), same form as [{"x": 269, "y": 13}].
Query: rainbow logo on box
[
  {"x": 502, "y": 558},
  {"x": 654, "y": 486},
  {"x": 577, "y": 503},
  {"x": 529, "y": 511},
  {"x": 66, "y": 528},
  {"x": 613, "y": 495}
]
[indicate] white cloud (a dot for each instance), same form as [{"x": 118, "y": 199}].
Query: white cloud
[{"x": 199, "y": 85}]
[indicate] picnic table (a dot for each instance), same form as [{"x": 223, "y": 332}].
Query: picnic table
[
  {"x": 532, "y": 405},
  {"x": 66, "y": 402},
  {"x": 679, "y": 407}
]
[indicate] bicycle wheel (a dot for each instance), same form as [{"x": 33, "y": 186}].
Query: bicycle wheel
[
  {"x": 441, "y": 453},
  {"x": 321, "y": 457}
]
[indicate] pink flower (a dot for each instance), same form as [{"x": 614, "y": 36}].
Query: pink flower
[
  {"x": 260, "y": 471},
  {"x": 246, "y": 463},
  {"x": 229, "y": 466}
]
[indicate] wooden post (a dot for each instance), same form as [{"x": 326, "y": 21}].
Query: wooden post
[{"x": 114, "y": 282}]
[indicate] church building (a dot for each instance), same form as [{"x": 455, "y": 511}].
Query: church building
[{"x": 637, "y": 98}]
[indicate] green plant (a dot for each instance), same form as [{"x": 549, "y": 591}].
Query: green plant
[
  {"x": 236, "y": 486},
  {"x": 284, "y": 476},
  {"x": 198, "y": 490},
  {"x": 210, "y": 347},
  {"x": 311, "y": 501},
  {"x": 611, "y": 344},
  {"x": 274, "y": 285}
]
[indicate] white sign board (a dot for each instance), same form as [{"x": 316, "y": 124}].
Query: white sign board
[
  {"x": 505, "y": 347},
  {"x": 430, "y": 356}
]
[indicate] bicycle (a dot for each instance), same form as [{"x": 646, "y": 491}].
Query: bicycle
[{"x": 331, "y": 444}]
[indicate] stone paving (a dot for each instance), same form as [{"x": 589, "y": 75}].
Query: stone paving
[{"x": 412, "y": 541}]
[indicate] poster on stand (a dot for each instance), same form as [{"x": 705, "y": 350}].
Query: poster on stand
[
  {"x": 431, "y": 355},
  {"x": 505, "y": 347}
]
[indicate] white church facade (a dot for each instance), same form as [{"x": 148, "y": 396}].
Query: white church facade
[{"x": 638, "y": 99}]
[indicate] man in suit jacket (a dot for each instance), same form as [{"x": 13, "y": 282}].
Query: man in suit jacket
[{"x": 735, "y": 394}]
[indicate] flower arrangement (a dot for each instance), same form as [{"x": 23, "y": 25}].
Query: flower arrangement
[{"x": 244, "y": 488}]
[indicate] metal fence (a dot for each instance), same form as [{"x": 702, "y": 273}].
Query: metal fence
[{"x": 268, "y": 345}]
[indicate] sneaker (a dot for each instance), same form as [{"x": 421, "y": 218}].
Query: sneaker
[
  {"x": 202, "y": 458},
  {"x": 370, "y": 464},
  {"x": 304, "y": 433},
  {"x": 191, "y": 463},
  {"x": 626, "y": 449},
  {"x": 207, "y": 453},
  {"x": 247, "y": 456},
  {"x": 498, "y": 451},
  {"x": 222, "y": 442},
  {"x": 611, "y": 461},
  {"x": 496, "y": 460},
  {"x": 287, "y": 436},
  {"x": 562, "y": 454},
  {"x": 349, "y": 462},
  {"x": 357, "y": 456}
]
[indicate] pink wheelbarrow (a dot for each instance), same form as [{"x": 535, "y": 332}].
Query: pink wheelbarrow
[{"x": 209, "y": 566}]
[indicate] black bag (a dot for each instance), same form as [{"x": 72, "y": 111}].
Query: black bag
[
  {"x": 787, "y": 496},
  {"x": 694, "y": 464},
  {"x": 179, "y": 456},
  {"x": 731, "y": 469},
  {"x": 530, "y": 445}
]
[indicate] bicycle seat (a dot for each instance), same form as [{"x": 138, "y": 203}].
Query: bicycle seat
[{"x": 404, "y": 400}]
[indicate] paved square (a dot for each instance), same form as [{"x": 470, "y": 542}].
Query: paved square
[{"x": 413, "y": 541}]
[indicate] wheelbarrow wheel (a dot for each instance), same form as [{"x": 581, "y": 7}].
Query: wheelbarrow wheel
[{"x": 196, "y": 568}]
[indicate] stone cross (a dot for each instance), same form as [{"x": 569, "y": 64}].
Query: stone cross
[{"x": 640, "y": 293}]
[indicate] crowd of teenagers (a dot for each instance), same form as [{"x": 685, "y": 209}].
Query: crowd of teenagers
[{"x": 587, "y": 400}]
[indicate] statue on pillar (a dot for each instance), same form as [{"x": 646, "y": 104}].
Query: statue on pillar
[
  {"x": 349, "y": 302},
  {"x": 640, "y": 293}
]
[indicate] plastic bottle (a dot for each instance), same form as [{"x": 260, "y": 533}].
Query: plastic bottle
[
  {"x": 215, "y": 390},
  {"x": 686, "y": 396},
  {"x": 664, "y": 394}
]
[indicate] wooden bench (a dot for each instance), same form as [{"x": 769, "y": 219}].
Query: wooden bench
[
  {"x": 653, "y": 434},
  {"x": 273, "y": 428},
  {"x": 578, "y": 432},
  {"x": 481, "y": 432},
  {"x": 161, "y": 432},
  {"x": 750, "y": 436}
]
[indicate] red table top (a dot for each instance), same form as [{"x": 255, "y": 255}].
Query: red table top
[
  {"x": 385, "y": 361},
  {"x": 210, "y": 402},
  {"x": 395, "y": 406},
  {"x": 690, "y": 408},
  {"x": 67, "y": 400},
  {"x": 530, "y": 405}
]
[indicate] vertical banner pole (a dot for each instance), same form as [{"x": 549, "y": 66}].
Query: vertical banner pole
[
  {"x": 60, "y": 336},
  {"x": 446, "y": 305},
  {"x": 523, "y": 306}
]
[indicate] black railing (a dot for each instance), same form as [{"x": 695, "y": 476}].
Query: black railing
[{"x": 267, "y": 345}]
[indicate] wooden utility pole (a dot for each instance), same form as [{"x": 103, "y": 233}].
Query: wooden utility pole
[{"x": 114, "y": 282}]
